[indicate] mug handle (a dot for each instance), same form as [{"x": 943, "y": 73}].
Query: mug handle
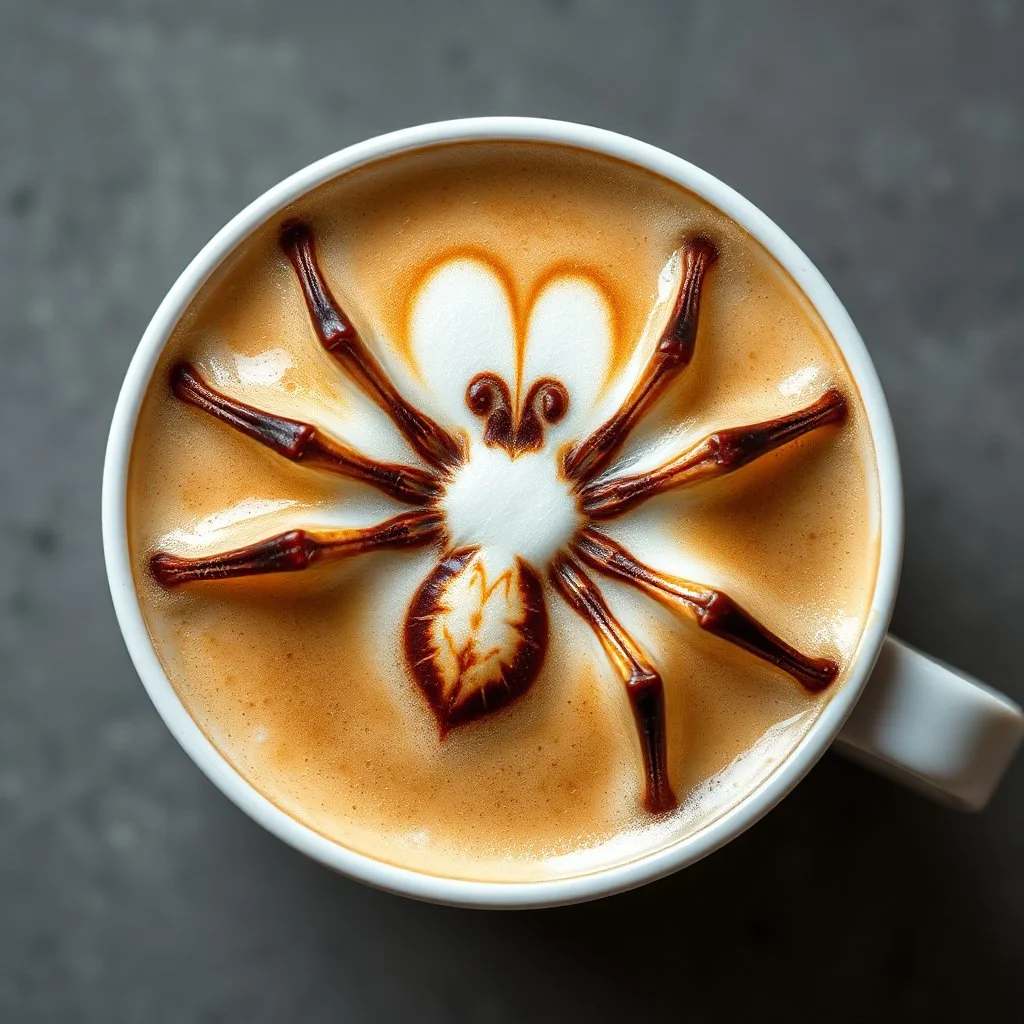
[{"x": 932, "y": 728}]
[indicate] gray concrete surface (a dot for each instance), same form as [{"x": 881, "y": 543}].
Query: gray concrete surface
[{"x": 887, "y": 138}]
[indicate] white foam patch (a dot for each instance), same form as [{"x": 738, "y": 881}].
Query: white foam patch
[
  {"x": 799, "y": 380},
  {"x": 569, "y": 338},
  {"x": 668, "y": 286},
  {"x": 655, "y": 450},
  {"x": 224, "y": 521},
  {"x": 267, "y": 367},
  {"x": 653, "y": 537},
  {"x": 462, "y": 325},
  {"x": 345, "y": 413},
  {"x": 843, "y": 633},
  {"x": 364, "y": 426},
  {"x": 519, "y": 506},
  {"x": 255, "y": 519}
]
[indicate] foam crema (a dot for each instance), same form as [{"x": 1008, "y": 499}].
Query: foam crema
[{"x": 503, "y": 511}]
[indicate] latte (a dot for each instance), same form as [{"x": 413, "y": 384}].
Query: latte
[{"x": 503, "y": 511}]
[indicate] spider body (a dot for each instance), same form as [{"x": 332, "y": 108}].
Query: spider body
[{"x": 513, "y": 518}]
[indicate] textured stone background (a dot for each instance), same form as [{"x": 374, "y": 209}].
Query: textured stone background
[{"x": 887, "y": 138}]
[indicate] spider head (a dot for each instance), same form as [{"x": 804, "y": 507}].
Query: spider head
[{"x": 522, "y": 430}]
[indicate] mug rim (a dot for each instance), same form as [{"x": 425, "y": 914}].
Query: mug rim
[{"x": 407, "y": 881}]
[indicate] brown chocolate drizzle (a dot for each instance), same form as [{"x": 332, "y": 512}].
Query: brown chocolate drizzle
[
  {"x": 297, "y": 549},
  {"x": 715, "y": 612},
  {"x": 673, "y": 353},
  {"x": 719, "y": 453},
  {"x": 489, "y": 397},
  {"x": 546, "y": 404},
  {"x": 338, "y": 336},
  {"x": 453, "y": 702},
  {"x": 643, "y": 683},
  {"x": 302, "y": 442}
]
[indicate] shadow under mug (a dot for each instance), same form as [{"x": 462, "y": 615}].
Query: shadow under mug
[{"x": 899, "y": 711}]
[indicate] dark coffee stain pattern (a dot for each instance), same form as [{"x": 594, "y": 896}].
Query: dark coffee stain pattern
[
  {"x": 461, "y": 681},
  {"x": 719, "y": 453},
  {"x": 499, "y": 676},
  {"x": 302, "y": 442},
  {"x": 714, "y": 611},
  {"x": 643, "y": 683}
]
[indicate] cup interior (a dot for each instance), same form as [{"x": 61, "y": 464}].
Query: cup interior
[{"x": 402, "y": 880}]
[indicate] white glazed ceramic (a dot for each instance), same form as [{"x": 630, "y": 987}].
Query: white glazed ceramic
[{"x": 921, "y": 721}]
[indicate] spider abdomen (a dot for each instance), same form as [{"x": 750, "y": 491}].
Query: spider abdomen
[{"x": 476, "y": 633}]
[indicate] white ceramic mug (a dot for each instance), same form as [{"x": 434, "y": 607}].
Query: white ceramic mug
[{"x": 899, "y": 711}]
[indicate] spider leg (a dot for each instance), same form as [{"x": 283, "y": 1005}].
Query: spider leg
[
  {"x": 339, "y": 337},
  {"x": 643, "y": 683},
  {"x": 672, "y": 354},
  {"x": 302, "y": 442},
  {"x": 296, "y": 549},
  {"x": 719, "y": 453},
  {"x": 715, "y": 612}
]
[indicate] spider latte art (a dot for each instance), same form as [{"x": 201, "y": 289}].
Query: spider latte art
[{"x": 503, "y": 512}]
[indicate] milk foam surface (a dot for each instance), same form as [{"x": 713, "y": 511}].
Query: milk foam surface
[
  {"x": 525, "y": 261},
  {"x": 521, "y": 506}
]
